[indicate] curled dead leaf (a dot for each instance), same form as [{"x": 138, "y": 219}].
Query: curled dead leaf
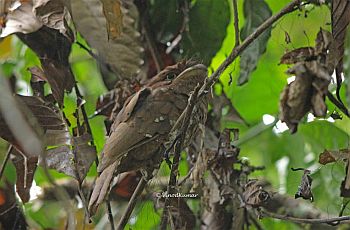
[
  {"x": 254, "y": 195},
  {"x": 298, "y": 55},
  {"x": 304, "y": 189},
  {"x": 20, "y": 19},
  {"x": 25, "y": 169},
  {"x": 52, "y": 13}
]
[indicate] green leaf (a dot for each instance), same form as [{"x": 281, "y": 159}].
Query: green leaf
[
  {"x": 255, "y": 13},
  {"x": 166, "y": 19},
  {"x": 207, "y": 28}
]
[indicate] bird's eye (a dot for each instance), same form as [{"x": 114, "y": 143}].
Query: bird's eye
[{"x": 170, "y": 76}]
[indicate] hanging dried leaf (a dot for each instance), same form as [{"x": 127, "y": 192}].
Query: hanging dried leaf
[
  {"x": 17, "y": 125},
  {"x": 295, "y": 98},
  {"x": 70, "y": 159},
  {"x": 53, "y": 49},
  {"x": 304, "y": 189},
  {"x": 20, "y": 19},
  {"x": 328, "y": 156},
  {"x": 52, "y": 14},
  {"x": 114, "y": 17},
  {"x": 310, "y": 87},
  {"x": 254, "y": 195},
  {"x": 124, "y": 55},
  {"x": 25, "y": 168},
  {"x": 37, "y": 81},
  {"x": 340, "y": 21},
  {"x": 85, "y": 154},
  {"x": 298, "y": 55},
  {"x": 182, "y": 217}
]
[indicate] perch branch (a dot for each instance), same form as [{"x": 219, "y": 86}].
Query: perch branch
[
  {"x": 338, "y": 104},
  {"x": 177, "y": 151},
  {"x": 306, "y": 221},
  {"x": 110, "y": 214},
  {"x": 131, "y": 205}
]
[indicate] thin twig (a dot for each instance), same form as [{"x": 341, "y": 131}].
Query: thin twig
[
  {"x": 110, "y": 215},
  {"x": 305, "y": 221},
  {"x": 7, "y": 157},
  {"x": 86, "y": 122},
  {"x": 254, "y": 221},
  {"x": 236, "y": 26},
  {"x": 149, "y": 35},
  {"x": 186, "y": 177},
  {"x": 339, "y": 105},
  {"x": 131, "y": 205},
  {"x": 239, "y": 49},
  {"x": 177, "y": 151},
  {"x": 184, "y": 28},
  {"x": 151, "y": 45}
]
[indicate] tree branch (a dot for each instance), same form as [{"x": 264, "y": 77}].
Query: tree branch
[
  {"x": 332, "y": 221},
  {"x": 236, "y": 21},
  {"x": 131, "y": 205},
  {"x": 239, "y": 49},
  {"x": 176, "y": 160}
]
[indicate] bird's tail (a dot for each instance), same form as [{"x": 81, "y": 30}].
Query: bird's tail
[{"x": 101, "y": 188}]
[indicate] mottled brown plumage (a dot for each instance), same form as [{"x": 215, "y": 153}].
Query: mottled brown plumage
[{"x": 146, "y": 125}]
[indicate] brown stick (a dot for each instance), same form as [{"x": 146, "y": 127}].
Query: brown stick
[
  {"x": 177, "y": 152},
  {"x": 306, "y": 221},
  {"x": 131, "y": 205},
  {"x": 238, "y": 50},
  {"x": 236, "y": 26},
  {"x": 7, "y": 157}
]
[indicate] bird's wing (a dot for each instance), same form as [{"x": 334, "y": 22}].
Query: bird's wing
[{"x": 148, "y": 121}]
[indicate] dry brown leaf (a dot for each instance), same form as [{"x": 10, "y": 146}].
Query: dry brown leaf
[
  {"x": 295, "y": 98},
  {"x": 52, "y": 14},
  {"x": 329, "y": 156},
  {"x": 53, "y": 49},
  {"x": 20, "y": 19},
  {"x": 310, "y": 87},
  {"x": 304, "y": 189},
  {"x": 340, "y": 21},
  {"x": 254, "y": 195},
  {"x": 25, "y": 169},
  {"x": 17, "y": 124},
  {"x": 298, "y": 55},
  {"x": 124, "y": 55},
  {"x": 70, "y": 156}
]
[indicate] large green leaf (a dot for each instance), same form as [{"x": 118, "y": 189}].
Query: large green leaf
[
  {"x": 255, "y": 13},
  {"x": 207, "y": 28}
]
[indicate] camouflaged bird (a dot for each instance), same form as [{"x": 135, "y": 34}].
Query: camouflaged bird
[{"x": 147, "y": 125}]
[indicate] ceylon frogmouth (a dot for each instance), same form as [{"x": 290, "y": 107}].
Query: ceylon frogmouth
[{"x": 147, "y": 125}]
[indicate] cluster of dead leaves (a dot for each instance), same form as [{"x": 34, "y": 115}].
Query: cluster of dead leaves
[
  {"x": 331, "y": 156},
  {"x": 312, "y": 69}
]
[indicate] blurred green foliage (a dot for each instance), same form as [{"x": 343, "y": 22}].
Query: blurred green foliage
[{"x": 261, "y": 144}]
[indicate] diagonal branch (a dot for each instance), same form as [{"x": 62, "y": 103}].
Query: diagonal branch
[
  {"x": 239, "y": 49},
  {"x": 177, "y": 151},
  {"x": 331, "y": 221}
]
